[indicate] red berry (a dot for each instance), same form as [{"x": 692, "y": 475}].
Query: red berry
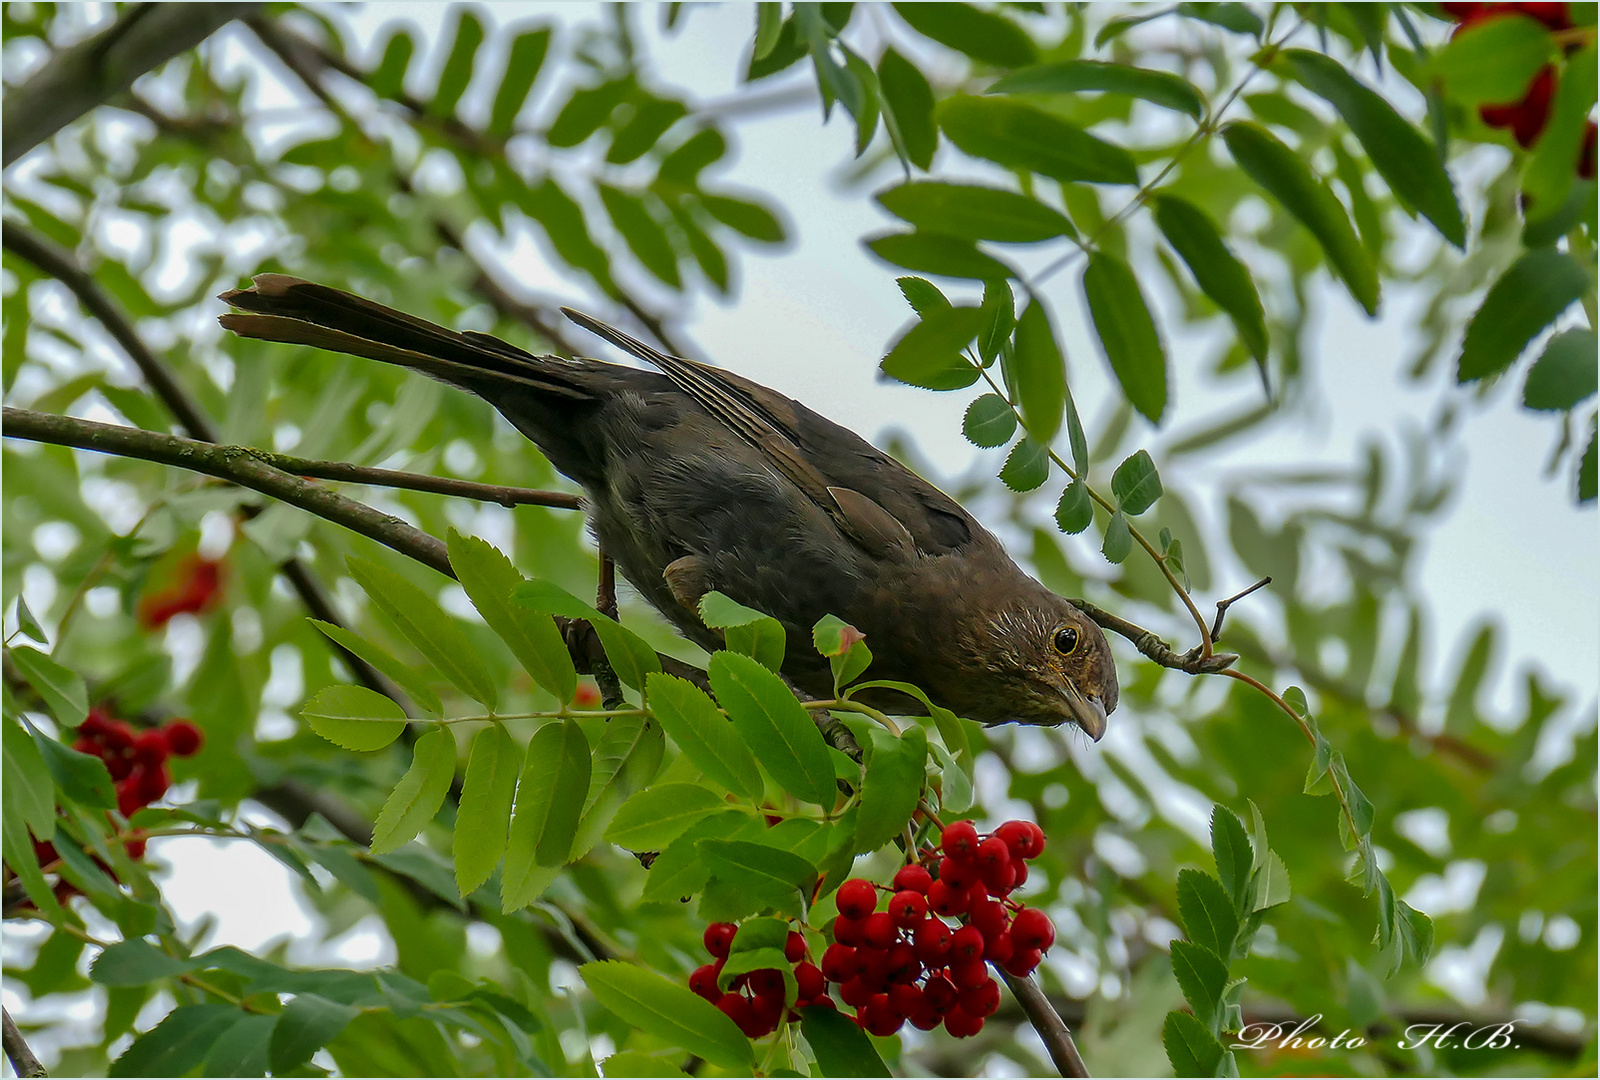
[
  {"x": 83, "y": 744},
  {"x": 736, "y": 1007},
  {"x": 1032, "y": 929},
  {"x": 981, "y": 1000},
  {"x": 908, "y": 908},
  {"x": 931, "y": 940},
  {"x": 989, "y": 917},
  {"x": 1017, "y": 837},
  {"x": 857, "y": 898},
  {"x": 912, "y": 877},
  {"x": 151, "y": 783},
  {"x": 128, "y": 802},
  {"x": 926, "y": 1018},
  {"x": 906, "y": 998},
  {"x": 962, "y": 1024},
  {"x": 1021, "y": 869},
  {"x": 767, "y": 982},
  {"x": 1001, "y": 878},
  {"x": 794, "y": 947},
  {"x": 718, "y": 938},
  {"x": 184, "y": 738},
  {"x": 97, "y": 723},
  {"x": 874, "y": 967},
  {"x": 1023, "y": 961},
  {"x": 1552, "y": 15},
  {"x": 150, "y": 748},
  {"x": 965, "y": 973},
  {"x": 878, "y": 929},
  {"x": 810, "y": 980},
  {"x": 957, "y": 875},
  {"x": 1038, "y": 839},
  {"x": 135, "y": 848},
  {"x": 839, "y": 963},
  {"x": 959, "y": 840},
  {"x": 117, "y": 735},
  {"x": 767, "y": 1010},
  {"x": 822, "y": 1001},
  {"x": 1586, "y": 154},
  {"x": 119, "y": 767},
  {"x": 946, "y": 900},
  {"x": 881, "y": 1018},
  {"x": 901, "y": 963},
  {"x": 849, "y": 931},
  {"x": 44, "y": 852},
  {"x": 703, "y": 981},
  {"x": 999, "y": 948},
  {"x": 992, "y": 852},
  {"x": 939, "y": 992},
  {"x": 855, "y": 993},
  {"x": 966, "y": 943}
]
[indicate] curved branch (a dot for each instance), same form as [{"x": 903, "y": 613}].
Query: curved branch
[
  {"x": 93, "y": 71},
  {"x": 1195, "y": 661},
  {"x": 437, "y": 485},
  {"x": 1047, "y": 1022},
  {"x": 17, "y": 1049}
]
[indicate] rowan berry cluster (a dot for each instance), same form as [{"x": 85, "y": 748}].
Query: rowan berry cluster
[
  {"x": 1526, "y": 118},
  {"x": 136, "y": 760},
  {"x": 196, "y": 587},
  {"x": 905, "y": 962}
]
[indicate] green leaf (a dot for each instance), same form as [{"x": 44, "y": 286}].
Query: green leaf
[
  {"x": 306, "y": 1025},
  {"x": 388, "y": 79},
  {"x": 999, "y": 319},
  {"x": 436, "y": 635},
  {"x": 587, "y": 109},
  {"x": 1020, "y": 136},
  {"x": 419, "y": 794},
  {"x": 242, "y": 1049},
  {"x": 354, "y": 717},
  {"x": 631, "y": 1062},
  {"x": 1231, "y": 848},
  {"x": 1191, "y": 1048},
  {"x": 631, "y": 657},
  {"x": 986, "y": 36},
  {"x": 1075, "y": 512},
  {"x": 550, "y": 796},
  {"x": 774, "y": 725},
  {"x": 485, "y": 816},
  {"x": 788, "y": 50},
  {"x": 458, "y": 65},
  {"x": 1403, "y": 156},
  {"x": 748, "y": 218},
  {"x": 626, "y": 759},
  {"x": 178, "y": 1044},
  {"x": 1586, "y": 470},
  {"x": 1202, "y": 978},
  {"x": 1216, "y": 269},
  {"x": 404, "y": 676},
  {"x": 923, "y": 295},
  {"x": 989, "y": 421},
  {"x": 1127, "y": 333},
  {"x": 679, "y": 872},
  {"x": 562, "y": 219},
  {"x": 746, "y": 630},
  {"x": 25, "y": 620},
  {"x": 974, "y": 212},
  {"x": 1118, "y": 542},
  {"x": 704, "y": 735},
  {"x": 650, "y": 121},
  {"x": 1236, "y": 17},
  {"x": 82, "y": 778},
  {"x": 136, "y": 962},
  {"x": 1072, "y": 76},
  {"x": 1492, "y": 61},
  {"x": 642, "y": 233},
  {"x": 1136, "y": 484},
  {"x": 655, "y": 817},
  {"x": 1207, "y": 912},
  {"x": 684, "y": 164},
  {"x": 1038, "y": 373},
  {"x": 769, "y": 24},
  {"x": 748, "y": 878},
  {"x": 1271, "y": 883},
  {"x": 528, "y": 50},
  {"x": 1528, "y": 297},
  {"x": 1550, "y": 175},
  {"x": 490, "y": 580},
  {"x": 934, "y": 253},
  {"x": 929, "y": 355},
  {"x": 27, "y": 789},
  {"x": 892, "y": 786},
  {"x": 62, "y": 689},
  {"x": 1288, "y": 179},
  {"x": 1565, "y": 374},
  {"x": 908, "y": 108},
  {"x": 1027, "y": 466},
  {"x": 841, "y": 1048},
  {"x": 670, "y": 1012}
]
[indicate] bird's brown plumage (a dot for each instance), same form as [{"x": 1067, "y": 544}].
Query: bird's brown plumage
[{"x": 698, "y": 479}]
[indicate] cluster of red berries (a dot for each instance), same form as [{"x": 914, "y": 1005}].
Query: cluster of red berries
[
  {"x": 905, "y": 962},
  {"x": 136, "y": 760},
  {"x": 197, "y": 585},
  {"x": 1526, "y": 118}
]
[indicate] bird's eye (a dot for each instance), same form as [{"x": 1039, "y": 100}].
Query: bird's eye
[{"x": 1066, "y": 640}]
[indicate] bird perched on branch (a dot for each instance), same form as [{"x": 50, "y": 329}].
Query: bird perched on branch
[{"x": 700, "y": 480}]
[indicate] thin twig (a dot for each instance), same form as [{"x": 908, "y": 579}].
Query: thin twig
[
  {"x": 17, "y": 1049},
  {"x": 437, "y": 485},
  {"x": 1223, "y": 605},
  {"x": 1047, "y": 1022},
  {"x": 1195, "y": 661}
]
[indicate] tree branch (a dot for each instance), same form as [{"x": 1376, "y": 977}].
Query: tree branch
[
  {"x": 1047, "y": 1022},
  {"x": 82, "y": 76},
  {"x": 1195, "y": 661},
  {"x": 437, "y": 485},
  {"x": 16, "y": 1047}
]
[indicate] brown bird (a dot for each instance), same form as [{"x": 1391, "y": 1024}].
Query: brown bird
[{"x": 700, "y": 480}]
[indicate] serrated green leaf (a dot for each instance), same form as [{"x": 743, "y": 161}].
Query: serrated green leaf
[
  {"x": 1019, "y": 136},
  {"x": 25, "y": 620},
  {"x": 923, "y": 295},
  {"x": 1075, "y": 511},
  {"x": 1230, "y": 847},
  {"x": 242, "y": 1048},
  {"x": 436, "y": 635},
  {"x": 1191, "y": 1048},
  {"x": 642, "y": 233},
  {"x": 679, "y": 872},
  {"x": 1136, "y": 484},
  {"x": 631, "y": 657},
  {"x": 668, "y": 1011},
  {"x": 27, "y": 789},
  {"x": 1271, "y": 883},
  {"x": 178, "y": 1044},
  {"x": 81, "y": 778},
  {"x": 1038, "y": 373},
  {"x": 743, "y": 216},
  {"x": 61, "y": 688},
  {"x": 485, "y": 817},
  {"x": 841, "y": 1047},
  {"x": 986, "y": 36},
  {"x": 407, "y": 678},
  {"x": 136, "y": 962},
  {"x": 934, "y": 253},
  {"x": 660, "y": 814},
  {"x": 999, "y": 319},
  {"x": 774, "y": 725},
  {"x": 354, "y": 717},
  {"x": 1207, "y": 911},
  {"x": 1216, "y": 269},
  {"x": 1027, "y": 466},
  {"x": 1118, "y": 542},
  {"x": 748, "y": 878},
  {"x": 892, "y": 786},
  {"x": 1074, "y": 76},
  {"x": 989, "y": 421},
  {"x": 745, "y": 630},
  {"x": 419, "y": 794},
  {"x": 705, "y": 736},
  {"x": 974, "y": 212},
  {"x": 1202, "y": 978},
  {"x": 550, "y": 796},
  {"x": 1127, "y": 333},
  {"x": 1528, "y": 297},
  {"x": 908, "y": 108},
  {"x": 307, "y": 1024},
  {"x": 626, "y": 759},
  {"x": 929, "y": 354},
  {"x": 1565, "y": 374},
  {"x": 490, "y": 580}
]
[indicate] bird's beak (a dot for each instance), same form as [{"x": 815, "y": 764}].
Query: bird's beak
[{"x": 1087, "y": 713}]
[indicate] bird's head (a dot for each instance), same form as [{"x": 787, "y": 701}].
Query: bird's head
[{"x": 1053, "y": 662}]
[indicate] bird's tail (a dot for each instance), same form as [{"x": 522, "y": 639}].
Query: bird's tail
[{"x": 278, "y": 307}]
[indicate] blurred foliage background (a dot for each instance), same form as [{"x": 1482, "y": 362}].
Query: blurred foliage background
[{"x": 392, "y": 181}]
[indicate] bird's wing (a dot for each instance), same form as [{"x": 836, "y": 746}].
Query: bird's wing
[{"x": 767, "y": 422}]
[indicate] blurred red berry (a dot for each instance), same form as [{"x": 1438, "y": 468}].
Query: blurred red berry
[
  {"x": 118, "y": 735},
  {"x": 839, "y": 963},
  {"x": 703, "y": 981},
  {"x": 881, "y": 1018},
  {"x": 1023, "y": 961},
  {"x": 908, "y": 908},
  {"x": 152, "y": 783},
  {"x": 97, "y": 723},
  {"x": 718, "y": 938},
  {"x": 767, "y": 1010},
  {"x": 1526, "y": 117},
  {"x": 794, "y": 947},
  {"x": 1460, "y": 11},
  {"x": 857, "y": 898},
  {"x": 855, "y": 993},
  {"x": 999, "y": 948},
  {"x": 848, "y": 931},
  {"x": 962, "y": 1024},
  {"x": 981, "y": 1000},
  {"x": 810, "y": 980},
  {"x": 957, "y": 875},
  {"x": 945, "y": 900},
  {"x": 1586, "y": 155},
  {"x": 44, "y": 852},
  {"x": 184, "y": 738},
  {"x": 1552, "y": 15},
  {"x": 128, "y": 801},
  {"x": 989, "y": 917},
  {"x": 874, "y": 965},
  {"x": 737, "y": 1008},
  {"x": 83, "y": 744},
  {"x": 150, "y": 748},
  {"x": 587, "y": 695},
  {"x": 965, "y": 973},
  {"x": 135, "y": 848},
  {"x": 1000, "y": 878},
  {"x": 906, "y": 998},
  {"x": 912, "y": 877},
  {"x": 926, "y": 1018},
  {"x": 959, "y": 840},
  {"x": 1032, "y": 929},
  {"x": 939, "y": 992},
  {"x": 767, "y": 982},
  {"x": 119, "y": 767},
  {"x": 931, "y": 940},
  {"x": 879, "y": 930},
  {"x": 822, "y": 1001},
  {"x": 196, "y": 585}
]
